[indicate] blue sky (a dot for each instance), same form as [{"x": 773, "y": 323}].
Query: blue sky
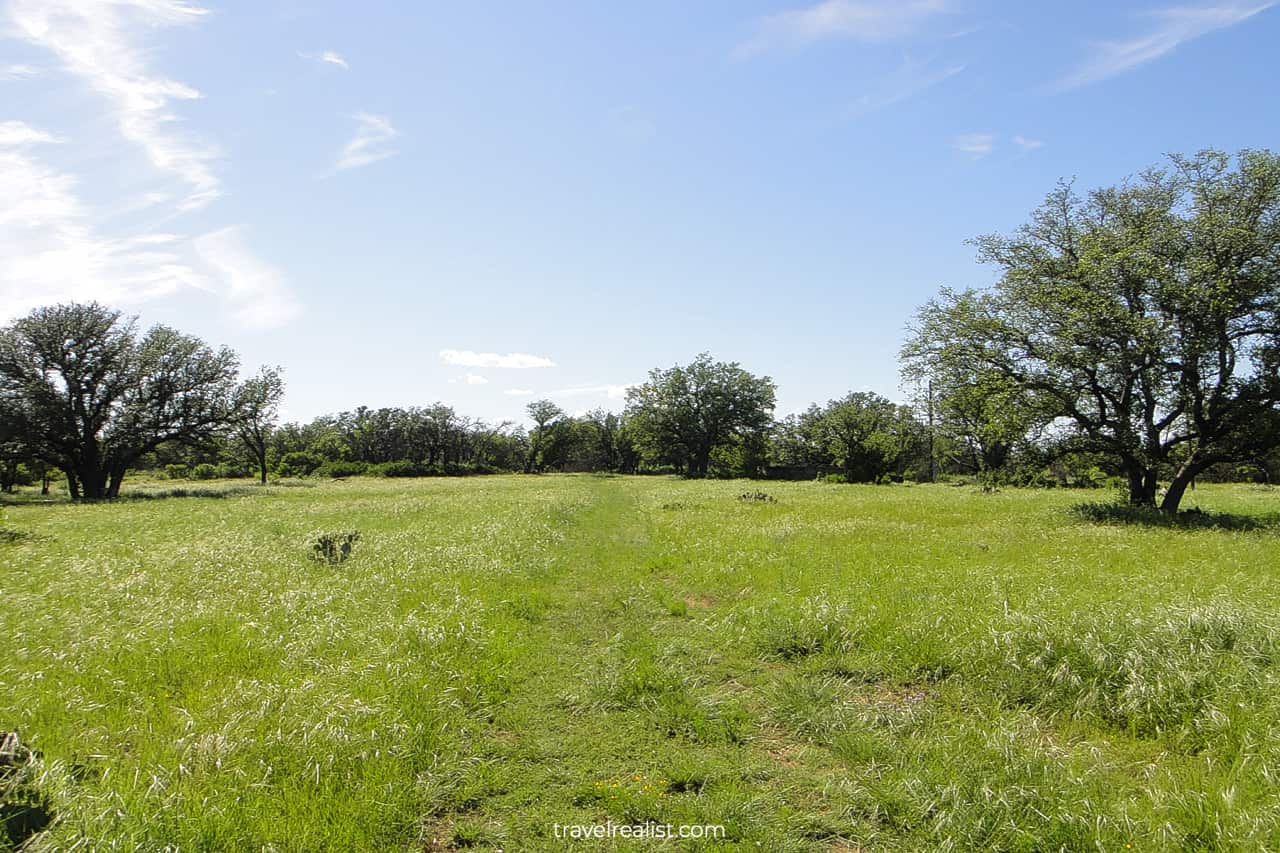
[{"x": 481, "y": 203}]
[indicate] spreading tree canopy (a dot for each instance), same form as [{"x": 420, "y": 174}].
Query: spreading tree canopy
[
  {"x": 86, "y": 392},
  {"x": 682, "y": 415},
  {"x": 1146, "y": 316}
]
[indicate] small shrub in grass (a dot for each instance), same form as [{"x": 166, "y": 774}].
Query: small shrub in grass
[
  {"x": 334, "y": 548},
  {"x": 177, "y": 472},
  {"x": 809, "y": 708},
  {"x": 24, "y": 809},
  {"x": 811, "y": 626},
  {"x": 204, "y": 471},
  {"x": 673, "y": 605},
  {"x": 757, "y": 497},
  {"x": 835, "y": 479},
  {"x": 469, "y": 833}
]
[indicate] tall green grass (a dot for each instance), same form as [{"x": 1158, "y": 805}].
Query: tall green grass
[{"x": 904, "y": 667}]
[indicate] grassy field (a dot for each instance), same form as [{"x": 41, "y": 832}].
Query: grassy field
[{"x": 880, "y": 668}]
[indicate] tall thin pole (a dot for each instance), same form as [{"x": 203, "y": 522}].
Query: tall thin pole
[{"x": 933, "y": 472}]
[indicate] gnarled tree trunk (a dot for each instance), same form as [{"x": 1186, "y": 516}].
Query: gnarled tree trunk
[
  {"x": 1178, "y": 486},
  {"x": 1142, "y": 484}
]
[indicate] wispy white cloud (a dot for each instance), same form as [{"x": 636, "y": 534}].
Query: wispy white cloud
[
  {"x": 909, "y": 80},
  {"x": 17, "y": 72},
  {"x": 613, "y": 392},
  {"x": 1027, "y": 144},
  {"x": 519, "y": 392},
  {"x": 94, "y": 41},
  {"x": 15, "y": 133},
  {"x": 1170, "y": 28},
  {"x": 369, "y": 145},
  {"x": 514, "y": 360},
  {"x": 862, "y": 20},
  {"x": 476, "y": 379},
  {"x": 258, "y": 294},
  {"x": 54, "y": 246},
  {"x": 327, "y": 57},
  {"x": 976, "y": 145},
  {"x": 50, "y": 250}
]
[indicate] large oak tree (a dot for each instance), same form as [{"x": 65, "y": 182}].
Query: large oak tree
[
  {"x": 91, "y": 395},
  {"x": 1146, "y": 316},
  {"x": 682, "y": 415}
]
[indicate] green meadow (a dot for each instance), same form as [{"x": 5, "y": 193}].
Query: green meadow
[{"x": 840, "y": 668}]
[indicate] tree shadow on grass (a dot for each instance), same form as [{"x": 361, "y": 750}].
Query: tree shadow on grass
[
  {"x": 1189, "y": 519},
  {"x": 9, "y": 536},
  {"x": 183, "y": 492},
  {"x": 141, "y": 495}
]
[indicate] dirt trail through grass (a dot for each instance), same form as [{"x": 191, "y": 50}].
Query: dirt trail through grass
[{"x": 544, "y": 750}]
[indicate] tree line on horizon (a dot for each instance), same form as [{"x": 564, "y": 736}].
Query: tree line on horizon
[{"x": 1133, "y": 337}]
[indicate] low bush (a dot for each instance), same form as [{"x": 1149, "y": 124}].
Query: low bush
[
  {"x": 339, "y": 468},
  {"x": 334, "y": 548},
  {"x": 204, "y": 471},
  {"x": 24, "y": 807},
  {"x": 298, "y": 464},
  {"x": 401, "y": 468}
]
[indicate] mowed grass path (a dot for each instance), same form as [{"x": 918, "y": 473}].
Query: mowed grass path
[{"x": 881, "y": 668}]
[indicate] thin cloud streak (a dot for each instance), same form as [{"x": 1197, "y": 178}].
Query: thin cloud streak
[
  {"x": 908, "y": 81},
  {"x": 369, "y": 145},
  {"x": 17, "y": 72},
  {"x": 512, "y": 360},
  {"x": 975, "y": 145},
  {"x": 1173, "y": 27},
  {"x": 94, "y": 42},
  {"x": 327, "y": 57},
  {"x": 613, "y": 392},
  {"x": 861, "y": 20}
]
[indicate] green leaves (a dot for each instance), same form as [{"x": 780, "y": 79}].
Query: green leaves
[
  {"x": 84, "y": 392},
  {"x": 1144, "y": 314},
  {"x": 683, "y": 414}
]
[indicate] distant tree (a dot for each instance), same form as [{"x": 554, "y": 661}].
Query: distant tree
[
  {"x": 90, "y": 395},
  {"x": 683, "y": 414},
  {"x": 864, "y": 433},
  {"x": 600, "y": 432},
  {"x": 1145, "y": 315},
  {"x": 14, "y": 451},
  {"x": 793, "y": 441},
  {"x": 544, "y": 414},
  {"x": 257, "y": 405},
  {"x": 978, "y": 417}
]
